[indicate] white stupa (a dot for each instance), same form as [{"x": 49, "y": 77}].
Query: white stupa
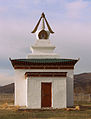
[{"x": 43, "y": 79}]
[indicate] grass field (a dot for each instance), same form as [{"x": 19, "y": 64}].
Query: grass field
[
  {"x": 41, "y": 114},
  {"x": 10, "y": 113}
]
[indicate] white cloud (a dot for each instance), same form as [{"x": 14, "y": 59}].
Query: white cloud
[
  {"x": 36, "y": 1},
  {"x": 22, "y": 4},
  {"x": 73, "y": 40},
  {"x": 45, "y": 1},
  {"x": 14, "y": 37},
  {"x": 5, "y": 79},
  {"x": 75, "y": 9},
  {"x": 52, "y": 1},
  {"x": 2, "y": 9}
]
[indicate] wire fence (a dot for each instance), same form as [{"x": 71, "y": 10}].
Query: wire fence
[
  {"x": 82, "y": 97},
  {"x": 6, "y": 98},
  {"x": 78, "y": 98}
]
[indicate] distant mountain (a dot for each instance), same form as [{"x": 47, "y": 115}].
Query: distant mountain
[
  {"x": 7, "y": 88},
  {"x": 82, "y": 84}
]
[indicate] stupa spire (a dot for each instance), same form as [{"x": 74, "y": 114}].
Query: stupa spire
[
  {"x": 43, "y": 19},
  {"x": 43, "y": 24}
]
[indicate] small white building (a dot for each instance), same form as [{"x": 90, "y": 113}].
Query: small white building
[{"x": 43, "y": 79}]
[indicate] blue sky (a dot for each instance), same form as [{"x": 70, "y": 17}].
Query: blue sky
[{"x": 69, "y": 19}]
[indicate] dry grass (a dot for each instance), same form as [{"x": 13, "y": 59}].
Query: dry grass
[
  {"x": 45, "y": 114},
  {"x": 73, "y": 109},
  {"x": 12, "y": 112},
  {"x": 6, "y": 106},
  {"x": 7, "y": 98}
]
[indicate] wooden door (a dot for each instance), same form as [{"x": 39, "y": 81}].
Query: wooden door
[{"x": 46, "y": 95}]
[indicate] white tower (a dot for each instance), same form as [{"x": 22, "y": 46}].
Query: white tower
[{"x": 43, "y": 47}]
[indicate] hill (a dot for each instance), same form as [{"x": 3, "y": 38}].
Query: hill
[
  {"x": 82, "y": 84},
  {"x": 7, "y": 88}
]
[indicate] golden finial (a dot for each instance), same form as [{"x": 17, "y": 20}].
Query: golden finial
[{"x": 36, "y": 27}]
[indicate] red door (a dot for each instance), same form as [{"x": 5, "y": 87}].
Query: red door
[{"x": 46, "y": 95}]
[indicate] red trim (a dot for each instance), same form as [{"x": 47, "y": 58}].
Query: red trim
[
  {"x": 45, "y": 74},
  {"x": 34, "y": 65},
  {"x": 44, "y": 67}
]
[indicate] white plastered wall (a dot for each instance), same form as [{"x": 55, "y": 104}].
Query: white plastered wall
[
  {"x": 58, "y": 91},
  {"x": 70, "y": 92},
  {"x": 21, "y": 86},
  {"x": 20, "y": 89},
  {"x": 70, "y": 88}
]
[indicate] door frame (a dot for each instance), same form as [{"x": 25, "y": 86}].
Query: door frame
[{"x": 51, "y": 93}]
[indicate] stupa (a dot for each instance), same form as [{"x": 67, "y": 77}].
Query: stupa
[{"x": 44, "y": 79}]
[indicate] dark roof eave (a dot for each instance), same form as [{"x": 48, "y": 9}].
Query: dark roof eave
[{"x": 42, "y": 61}]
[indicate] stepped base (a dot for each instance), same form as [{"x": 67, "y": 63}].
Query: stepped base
[{"x": 46, "y": 55}]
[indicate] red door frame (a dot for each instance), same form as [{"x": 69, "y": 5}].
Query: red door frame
[{"x": 46, "y": 94}]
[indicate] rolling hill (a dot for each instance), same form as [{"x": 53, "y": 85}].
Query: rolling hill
[
  {"x": 7, "y": 88},
  {"x": 82, "y": 84}
]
